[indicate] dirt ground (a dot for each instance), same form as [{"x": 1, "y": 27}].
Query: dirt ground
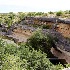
[{"x": 21, "y": 35}]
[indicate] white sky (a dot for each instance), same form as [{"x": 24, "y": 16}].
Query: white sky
[{"x": 33, "y": 5}]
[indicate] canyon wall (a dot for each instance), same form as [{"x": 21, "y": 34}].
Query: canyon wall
[
  {"x": 60, "y": 24},
  {"x": 64, "y": 29}
]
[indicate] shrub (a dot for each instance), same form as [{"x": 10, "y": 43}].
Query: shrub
[
  {"x": 51, "y": 12},
  {"x": 46, "y": 26},
  {"x": 40, "y": 41},
  {"x": 59, "y": 13},
  {"x": 24, "y": 59}
]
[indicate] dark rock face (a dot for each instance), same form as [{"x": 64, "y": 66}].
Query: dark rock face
[
  {"x": 2, "y": 33},
  {"x": 0, "y": 25},
  {"x": 3, "y": 30},
  {"x": 62, "y": 43},
  {"x": 49, "y": 19},
  {"x": 9, "y": 32},
  {"x": 66, "y": 21}
]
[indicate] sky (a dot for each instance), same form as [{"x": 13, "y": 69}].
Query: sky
[{"x": 33, "y": 5}]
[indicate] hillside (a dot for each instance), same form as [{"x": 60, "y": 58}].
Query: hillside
[{"x": 35, "y": 41}]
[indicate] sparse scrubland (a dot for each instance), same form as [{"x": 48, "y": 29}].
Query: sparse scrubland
[
  {"x": 32, "y": 55},
  {"x": 10, "y": 18}
]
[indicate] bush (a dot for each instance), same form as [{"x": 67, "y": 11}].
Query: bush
[
  {"x": 34, "y": 60},
  {"x": 51, "y": 12},
  {"x": 59, "y": 13},
  {"x": 25, "y": 58},
  {"x": 46, "y": 26},
  {"x": 40, "y": 41}
]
